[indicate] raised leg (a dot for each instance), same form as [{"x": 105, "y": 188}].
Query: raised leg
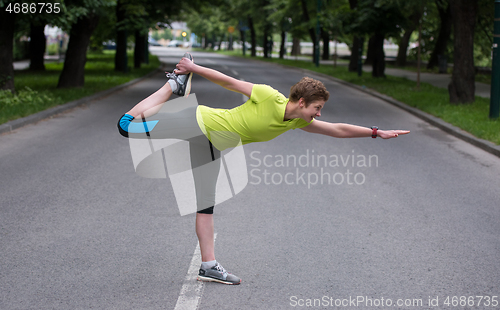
[{"x": 152, "y": 104}]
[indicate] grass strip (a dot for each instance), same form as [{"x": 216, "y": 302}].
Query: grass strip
[{"x": 37, "y": 91}]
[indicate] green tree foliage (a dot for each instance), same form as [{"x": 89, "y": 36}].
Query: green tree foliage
[
  {"x": 209, "y": 22},
  {"x": 483, "y": 33}
]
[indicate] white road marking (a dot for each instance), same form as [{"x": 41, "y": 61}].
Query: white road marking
[
  {"x": 225, "y": 67},
  {"x": 192, "y": 289},
  {"x": 234, "y": 72}
]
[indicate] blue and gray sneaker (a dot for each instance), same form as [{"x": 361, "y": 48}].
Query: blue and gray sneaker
[
  {"x": 183, "y": 81},
  {"x": 218, "y": 274}
]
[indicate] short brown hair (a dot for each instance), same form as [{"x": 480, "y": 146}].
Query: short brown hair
[{"x": 309, "y": 89}]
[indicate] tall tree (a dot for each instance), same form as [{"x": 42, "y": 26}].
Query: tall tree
[
  {"x": 121, "y": 61},
  {"x": 141, "y": 44},
  {"x": 37, "y": 45},
  {"x": 81, "y": 17},
  {"x": 73, "y": 73},
  {"x": 38, "y": 42},
  {"x": 308, "y": 22},
  {"x": 462, "y": 86},
  {"x": 483, "y": 36},
  {"x": 295, "y": 47},
  {"x": 380, "y": 19},
  {"x": 444, "y": 35},
  {"x": 353, "y": 59},
  {"x": 253, "y": 40},
  {"x": 280, "y": 15},
  {"x": 378, "y": 64},
  {"x": 370, "y": 51},
  {"x": 412, "y": 21},
  {"x": 325, "y": 37},
  {"x": 7, "y": 21}
]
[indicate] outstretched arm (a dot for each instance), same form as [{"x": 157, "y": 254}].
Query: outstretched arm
[
  {"x": 185, "y": 66},
  {"x": 339, "y": 130}
]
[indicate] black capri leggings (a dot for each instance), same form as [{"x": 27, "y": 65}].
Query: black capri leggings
[{"x": 184, "y": 126}]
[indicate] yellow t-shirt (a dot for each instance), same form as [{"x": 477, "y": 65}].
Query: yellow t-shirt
[{"x": 259, "y": 119}]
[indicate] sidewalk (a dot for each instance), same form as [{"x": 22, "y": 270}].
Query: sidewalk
[{"x": 438, "y": 80}]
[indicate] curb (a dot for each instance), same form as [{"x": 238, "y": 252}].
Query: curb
[
  {"x": 431, "y": 119},
  {"x": 51, "y": 112}
]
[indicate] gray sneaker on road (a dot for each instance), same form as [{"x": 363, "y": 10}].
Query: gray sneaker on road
[
  {"x": 218, "y": 274},
  {"x": 183, "y": 81}
]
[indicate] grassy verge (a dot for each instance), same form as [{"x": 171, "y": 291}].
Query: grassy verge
[
  {"x": 473, "y": 118},
  {"x": 36, "y": 91}
]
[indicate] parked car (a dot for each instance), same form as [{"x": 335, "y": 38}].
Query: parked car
[
  {"x": 174, "y": 43},
  {"x": 153, "y": 42},
  {"x": 109, "y": 45}
]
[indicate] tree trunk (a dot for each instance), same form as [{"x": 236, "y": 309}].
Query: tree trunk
[
  {"x": 405, "y": 40},
  {"x": 37, "y": 46},
  {"x": 283, "y": 44},
  {"x": 378, "y": 56},
  {"x": 312, "y": 33},
  {"x": 121, "y": 60},
  {"x": 253, "y": 40},
  {"x": 7, "y": 21},
  {"x": 270, "y": 43},
  {"x": 230, "y": 44},
  {"x": 145, "y": 54},
  {"x": 295, "y": 47},
  {"x": 403, "y": 47},
  {"x": 325, "y": 36},
  {"x": 462, "y": 87},
  {"x": 204, "y": 41},
  {"x": 139, "y": 49},
  {"x": 353, "y": 60},
  {"x": 73, "y": 73},
  {"x": 444, "y": 34},
  {"x": 370, "y": 52},
  {"x": 219, "y": 46},
  {"x": 266, "y": 41}
]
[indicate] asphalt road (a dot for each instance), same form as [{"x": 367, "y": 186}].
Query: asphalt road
[{"x": 411, "y": 220}]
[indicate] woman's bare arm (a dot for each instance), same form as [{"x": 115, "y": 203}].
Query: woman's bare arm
[
  {"x": 340, "y": 130},
  {"x": 185, "y": 66}
]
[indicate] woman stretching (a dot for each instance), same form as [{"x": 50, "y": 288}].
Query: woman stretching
[{"x": 208, "y": 131}]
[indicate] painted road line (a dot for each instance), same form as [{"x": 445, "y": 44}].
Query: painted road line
[{"x": 192, "y": 289}]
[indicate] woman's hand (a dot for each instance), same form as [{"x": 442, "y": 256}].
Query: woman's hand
[
  {"x": 388, "y": 134},
  {"x": 184, "y": 66}
]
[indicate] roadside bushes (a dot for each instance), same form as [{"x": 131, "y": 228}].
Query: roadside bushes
[{"x": 25, "y": 102}]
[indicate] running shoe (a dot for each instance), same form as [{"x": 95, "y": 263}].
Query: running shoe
[
  {"x": 218, "y": 274},
  {"x": 183, "y": 81}
]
